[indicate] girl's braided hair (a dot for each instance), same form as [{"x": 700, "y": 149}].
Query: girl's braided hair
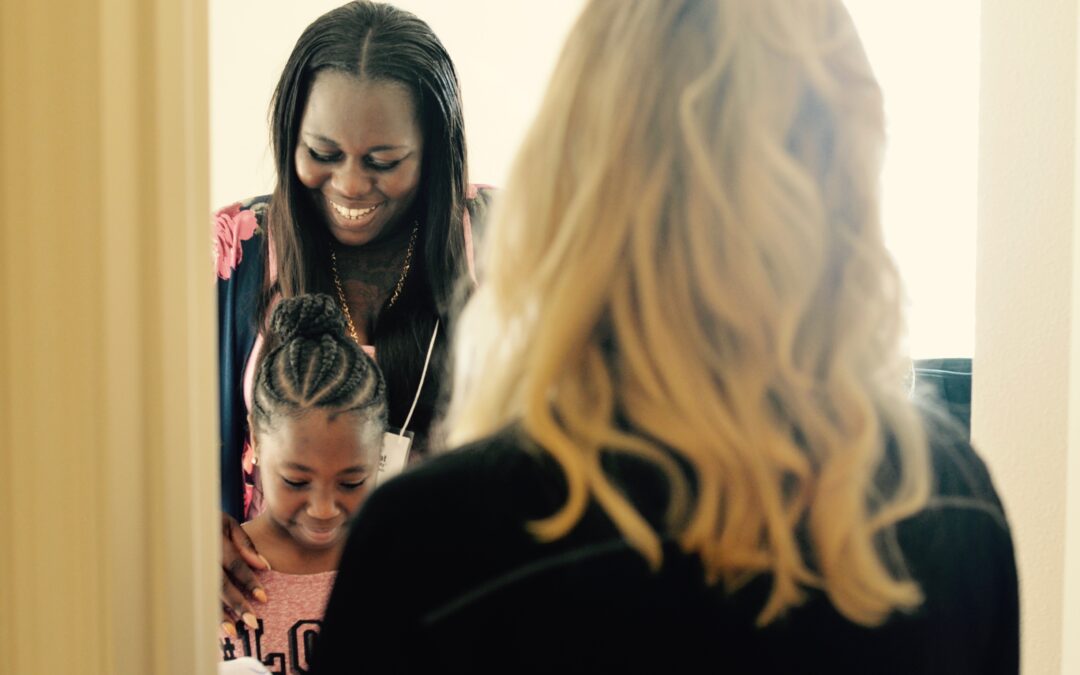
[{"x": 310, "y": 363}]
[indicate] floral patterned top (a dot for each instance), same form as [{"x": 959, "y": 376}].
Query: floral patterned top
[{"x": 233, "y": 225}]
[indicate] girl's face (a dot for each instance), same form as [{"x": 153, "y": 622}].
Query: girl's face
[
  {"x": 316, "y": 469},
  {"x": 359, "y": 153}
]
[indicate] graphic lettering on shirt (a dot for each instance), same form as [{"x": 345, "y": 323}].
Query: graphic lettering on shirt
[
  {"x": 228, "y": 650},
  {"x": 245, "y": 636},
  {"x": 301, "y": 644},
  {"x": 301, "y": 640}
]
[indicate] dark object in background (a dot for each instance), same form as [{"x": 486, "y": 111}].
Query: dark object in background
[{"x": 949, "y": 381}]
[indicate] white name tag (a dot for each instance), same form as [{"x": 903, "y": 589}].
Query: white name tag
[{"x": 395, "y": 455}]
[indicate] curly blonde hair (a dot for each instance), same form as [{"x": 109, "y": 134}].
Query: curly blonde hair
[{"x": 688, "y": 260}]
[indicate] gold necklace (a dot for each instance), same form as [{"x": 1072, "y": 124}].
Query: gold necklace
[{"x": 397, "y": 288}]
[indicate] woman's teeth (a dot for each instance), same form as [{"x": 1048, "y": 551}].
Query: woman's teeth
[{"x": 352, "y": 214}]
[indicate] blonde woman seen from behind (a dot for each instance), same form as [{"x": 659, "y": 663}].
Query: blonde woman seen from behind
[{"x": 684, "y": 436}]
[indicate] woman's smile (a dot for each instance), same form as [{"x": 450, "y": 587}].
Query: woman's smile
[
  {"x": 352, "y": 214},
  {"x": 355, "y": 221}
]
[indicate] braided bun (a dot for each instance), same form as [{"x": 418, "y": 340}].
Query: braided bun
[
  {"x": 309, "y": 363},
  {"x": 309, "y": 316}
]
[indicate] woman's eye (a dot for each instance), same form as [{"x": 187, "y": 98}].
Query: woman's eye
[
  {"x": 295, "y": 484},
  {"x": 382, "y": 166},
  {"x": 320, "y": 157},
  {"x": 356, "y": 485}
]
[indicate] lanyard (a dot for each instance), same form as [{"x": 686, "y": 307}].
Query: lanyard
[{"x": 423, "y": 376}]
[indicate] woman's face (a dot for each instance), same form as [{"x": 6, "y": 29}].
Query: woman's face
[
  {"x": 316, "y": 470},
  {"x": 359, "y": 152}
]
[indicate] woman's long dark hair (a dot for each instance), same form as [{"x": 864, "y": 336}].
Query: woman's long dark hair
[{"x": 377, "y": 42}]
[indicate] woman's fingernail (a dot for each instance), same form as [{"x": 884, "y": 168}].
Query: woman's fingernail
[
  {"x": 265, "y": 562},
  {"x": 259, "y": 594},
  {"x": 229, "y": 628},
  {"x": 250, "y": 620}
]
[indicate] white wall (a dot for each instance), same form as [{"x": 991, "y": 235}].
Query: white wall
[
  {"x": 1026, "y": 394},
  {"x": 504, "y": 52},
  {"x": 929, "y": 207}
]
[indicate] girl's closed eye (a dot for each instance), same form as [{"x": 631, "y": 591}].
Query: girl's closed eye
[
  {"x": 295, "y": 484},
  {"x": 353, "y": 485}
]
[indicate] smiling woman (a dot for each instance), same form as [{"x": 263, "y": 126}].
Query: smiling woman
[{"x": 371, "y": 205}]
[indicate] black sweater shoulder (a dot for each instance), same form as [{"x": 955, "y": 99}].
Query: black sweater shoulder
[{"x": 442, "y": 571}]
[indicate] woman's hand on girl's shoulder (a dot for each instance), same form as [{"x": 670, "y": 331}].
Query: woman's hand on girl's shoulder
[{"x": 239, "y": 559}]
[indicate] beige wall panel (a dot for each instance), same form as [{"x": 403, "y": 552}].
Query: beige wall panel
[
  {"x": 53, "y": 334},
  {"x": 107, "y": 427},
  {"x": 1026, "y": 277}
]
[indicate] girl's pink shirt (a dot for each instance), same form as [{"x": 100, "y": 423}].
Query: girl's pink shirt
[{"x": 288, "y": 623}]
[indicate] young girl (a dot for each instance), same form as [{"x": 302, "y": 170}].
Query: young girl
[{"x": 317, "y": 421}]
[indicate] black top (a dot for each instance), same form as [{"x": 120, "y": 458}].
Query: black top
[{"x": 439, "y": 575}]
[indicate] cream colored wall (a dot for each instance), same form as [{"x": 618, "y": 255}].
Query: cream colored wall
[
  {"x": 107, "y": 416},
  {"x": 503, "y": 51},
  {"x": 1026, "y": 386},
  {"x": 1071, "y": 601}
]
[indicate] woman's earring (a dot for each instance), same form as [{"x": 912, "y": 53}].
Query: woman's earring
[{"x": 254, "y": 460}]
